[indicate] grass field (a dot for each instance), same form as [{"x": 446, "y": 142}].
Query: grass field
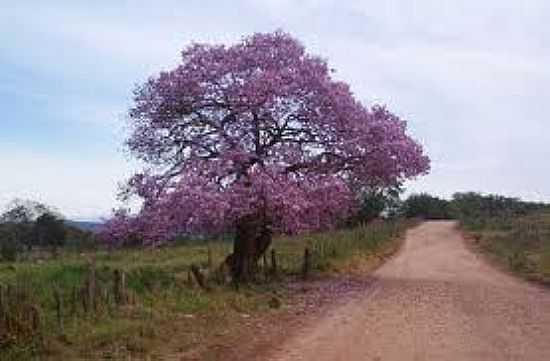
[
  {"x": 522, "y": 244},
  {"x": 161, "y": 302}
]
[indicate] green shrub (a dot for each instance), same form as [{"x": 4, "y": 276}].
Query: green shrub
[
  {"x": 426, "y": 206},
  {"x": 9, "y": 249}
]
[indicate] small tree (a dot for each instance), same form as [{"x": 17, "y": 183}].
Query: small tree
[
  {"x": 49, "y": 231},
  {"x": 18, "y": 219},
  {"x": 426, "y": 206},
  {"x": 472, "y": 205},
  {"x": 10, "y": 247},
  {"x": 377, "y": 202},
  {"x": 255, "y": 138},
  {"x": 25, "y": 223}
]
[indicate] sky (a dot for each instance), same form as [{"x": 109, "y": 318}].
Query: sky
[{"x": 471, "y": 77}]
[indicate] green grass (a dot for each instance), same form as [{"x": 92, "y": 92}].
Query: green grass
[
  {"x": 520, "y": 243},
  {"x": 159, "y": 292}
]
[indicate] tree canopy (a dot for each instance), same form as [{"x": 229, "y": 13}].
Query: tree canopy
[
  {"x": 49, "y": 230},
  {"x": 257, "y": 128},
  {"x": 27, "y": 223},
  {"x": 426, "y": 206}
]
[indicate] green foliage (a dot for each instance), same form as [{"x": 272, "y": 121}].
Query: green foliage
[
  {"x": 471, "y": 205},
  {"x": 375, "y": 202},
  {"x": 372, "y": 205},
  {"x": 426, "y": 206},
  {"x": 79, "y": 240},
  {"x": 18, "y": 221},
  {"x": 49, "y": 230},
  {"x": 149, "y": 279},
  {"x": 27, "y": 224},
  {"x": 475, "y": 209},
  {"x": 10, "y": 247}
]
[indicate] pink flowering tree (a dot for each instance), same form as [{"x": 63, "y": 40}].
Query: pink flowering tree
[{"x": 255, "y": 138}]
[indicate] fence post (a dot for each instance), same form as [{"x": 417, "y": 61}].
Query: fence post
[
  {"x": 307, "y": 264},
  {"x": 74, "y": 301},
  {"x": 105, "y": 298},
  {"x": 88, "y": 292},
  {"x": 210, "y": 259},
  {"x": 199, "y": 277},
  {"x": 9, "y": 293},
  {"x": 91, "y": 288},
  {"x": 58, "y": 296},
  {"x": 190, "y": 282},
  {"x": 265, "y": 266},
  {"x": 274, "y": 269},
  {"x": 35, "y": 317},
  {"x": 36, "y": 323},
  {"x": 120, "y": 287},
  {"x": 123, "y": 287},
  {"x": 84, "y": 297},
  {"x": 2, "y": 301}
]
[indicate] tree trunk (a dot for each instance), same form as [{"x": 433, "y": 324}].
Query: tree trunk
[{"x": 252, "y": 239}]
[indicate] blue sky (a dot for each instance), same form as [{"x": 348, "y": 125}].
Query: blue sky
[{"x": 472, "y": 77}]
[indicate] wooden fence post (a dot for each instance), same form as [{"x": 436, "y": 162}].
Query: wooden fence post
[
  {"x": 9, "y": 293},
  {"x": 199, "y": 277},
  {"x": 307, "y": 263},
  {"x": 91, "y": 288},
  {"x": 2, "y": 302},
  {"x": 74, "y": 301},
  {"x": 35, "y": 317},
  {"x": 120, "y": 287},
  {"x": 274, "y": 269},
  {"x": 58, "y": 296},
  {"x": 190, "y": 282},
  {"x": 123, "y": 289},
  {"x": 35, "y": 320},
  {"x": 265, "y": 266},
  {"x": 84, "y": 297},
  {"x": 210, "y": 258},
  {"x": 105, "y": 298}
]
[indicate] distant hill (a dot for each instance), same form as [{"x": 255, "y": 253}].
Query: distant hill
[{"x": 85, "y": 225}]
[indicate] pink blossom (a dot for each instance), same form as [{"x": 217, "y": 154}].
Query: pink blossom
[{"x": 257, "y": 127}]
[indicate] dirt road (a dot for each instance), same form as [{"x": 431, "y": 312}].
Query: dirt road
[{"x": 436, "y": 300}]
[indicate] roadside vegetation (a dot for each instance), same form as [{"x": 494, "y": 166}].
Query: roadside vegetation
[
  {"x": 513, "y": 233},
  {"x": 522, "y": 244},
  {"x": 74, "y": 304}
]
